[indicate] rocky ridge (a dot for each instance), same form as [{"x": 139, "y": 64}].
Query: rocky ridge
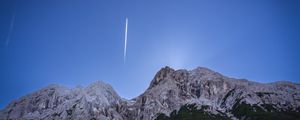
[{"x": 168, "y": 91}]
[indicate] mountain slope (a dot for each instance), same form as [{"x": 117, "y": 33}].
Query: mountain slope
[
  {"x": 96, "y": 101},
  {"x": 171, "y": 91}
]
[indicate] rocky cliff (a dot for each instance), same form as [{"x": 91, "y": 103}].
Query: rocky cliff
[{"x": 169, "y": 91}]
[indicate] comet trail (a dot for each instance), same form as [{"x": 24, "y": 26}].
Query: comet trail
[{"x": 125, "y": 43}]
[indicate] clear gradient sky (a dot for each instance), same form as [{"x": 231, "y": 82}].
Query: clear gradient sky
[{"x": 76, "y": 42}]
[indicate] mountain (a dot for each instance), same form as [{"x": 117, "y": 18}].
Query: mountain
[
  {"x": 97, "y": 100},
  {"x": 172, "y": 95}
]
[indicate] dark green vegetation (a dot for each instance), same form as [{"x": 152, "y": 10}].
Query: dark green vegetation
[
  {"x": 190, "y": 112},
  {"x": 261, "y": 94},
  {"x": 240, "y": 110},
  {"x": 264, "y": 112}
]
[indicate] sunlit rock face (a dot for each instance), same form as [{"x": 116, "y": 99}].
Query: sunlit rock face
[{"x": 168, "y": 91}]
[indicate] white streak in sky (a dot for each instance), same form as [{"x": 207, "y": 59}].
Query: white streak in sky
[
  {"x": 125, "y": 44},
  {"x": 11, "y": 27}
]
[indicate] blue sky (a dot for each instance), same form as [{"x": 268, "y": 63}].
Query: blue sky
[{"x": 76, "y": 42}]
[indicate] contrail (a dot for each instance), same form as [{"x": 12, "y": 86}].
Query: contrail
[
  {"x": 11, "y": 27},
  {"x": 125, "y": 45}
]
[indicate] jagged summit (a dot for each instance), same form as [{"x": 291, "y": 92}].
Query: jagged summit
[
  {"x": 160, "y": 75},
  {"x": 59, "y": 102},
  {"x": 178, "y": 74},
  {"x": 169, "y": 90}
]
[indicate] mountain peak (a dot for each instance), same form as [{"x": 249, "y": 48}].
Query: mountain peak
[
  {"x": 161, "y": 74},
  {"x": 99, "y": 85},
  {"x": 169, "y": 90},
  {"x": 166, "y": 68},
  {"x": 182, "y": 75}
]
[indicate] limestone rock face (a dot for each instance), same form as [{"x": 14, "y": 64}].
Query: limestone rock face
[
  {"x": 97, "y": 101},
  {"x": 168, "y": 91}
]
